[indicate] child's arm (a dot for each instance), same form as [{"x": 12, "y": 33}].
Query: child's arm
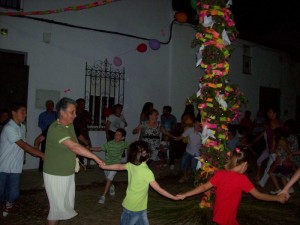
[
  {"x": 85, "y": 141},
  {"x": 178, "y": 138},
  {"x": 114, "y": 167},
  {"x": 165, "y": 132},
  {"x": 95, "y": 149},
  {"x": 137, "y": 129},
  {"x": 265, "y": 197},
  {"x": 293, "y": 180},
  {"x": 38, "y": 140},
  {"x": 30, "y": 149},
  {"x": 162, "y": 191},
  {"x": 107, "y": 126},
  {"x": 196, "y": 191}
]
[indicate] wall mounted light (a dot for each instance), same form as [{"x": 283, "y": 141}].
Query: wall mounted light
[
  {"x": 3, "y": 31},
  {"x": 46, "y": 37}
]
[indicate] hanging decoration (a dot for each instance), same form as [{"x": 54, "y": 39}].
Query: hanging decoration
[
  {"x": 141, "y": 48},
  {"x": 154, "y": 44},
  {"x": 117, "y": 61},
  {"x": 181, "y": 17},
  {"x": 66, "y": 9},
  {"x": 218, "y": 102}
]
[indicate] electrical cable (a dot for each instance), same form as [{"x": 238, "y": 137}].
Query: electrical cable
[{"x": 99, "y": 30}]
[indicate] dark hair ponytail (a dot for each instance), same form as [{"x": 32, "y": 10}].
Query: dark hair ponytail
[{"x": 138, "y": 152}]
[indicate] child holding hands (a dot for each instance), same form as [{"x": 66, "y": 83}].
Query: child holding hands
[
  {"x": 139, "y": 178},
  {"x": 291, "y": 182},
  {"x": 114, "y": 150},
  {"x": 229, "y": 184}
]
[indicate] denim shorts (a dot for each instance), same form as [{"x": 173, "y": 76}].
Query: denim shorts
[{"x": 134, "y": 218}]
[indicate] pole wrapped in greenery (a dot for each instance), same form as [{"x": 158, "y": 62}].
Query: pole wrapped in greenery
[{"x": 218, "y": 101}]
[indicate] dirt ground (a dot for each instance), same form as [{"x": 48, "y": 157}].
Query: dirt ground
[{"x": 32, "y": 207}]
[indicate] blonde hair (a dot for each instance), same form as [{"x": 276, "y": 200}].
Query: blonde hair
[{"x": 237, "y": 157}]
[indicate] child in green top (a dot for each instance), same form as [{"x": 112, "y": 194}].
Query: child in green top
[
  {"x": 139, "y": 178},
  {"x": 113, "y": 154}
]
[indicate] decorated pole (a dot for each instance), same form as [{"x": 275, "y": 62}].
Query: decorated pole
[{"x": 218, "y": 102}]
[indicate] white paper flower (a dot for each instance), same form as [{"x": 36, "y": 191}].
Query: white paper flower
[
  {"x": 199, "y": 55},
  {"x": 208, "y": 21},
  {"x": 229, "y": 3},
  {"x": 199, "y": 91},
  {"x": 199, "y": 164},
  {"x": 221, "y": 101},
  {"x": 225, "y": 38},
  {"x": 206, "y": 133}
]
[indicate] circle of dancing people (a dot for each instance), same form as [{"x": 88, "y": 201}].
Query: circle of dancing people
[{"x": 65, "y": 143}]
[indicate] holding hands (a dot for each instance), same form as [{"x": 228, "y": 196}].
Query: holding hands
[
  {"x": 181, "y": 196},
  {"x": 283, "y": 197}
]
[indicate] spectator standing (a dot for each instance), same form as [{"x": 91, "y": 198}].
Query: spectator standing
[
  {"x": 147, "y": 108},
  {"x": 81, "y": 122},
  {"x": 169, "y": 122},
  {"x": 246, "y": 123},
  {"x": 4, "y": 118},
  {"x": 115, "y": 120},
  {"x": 47, "y": 117}
]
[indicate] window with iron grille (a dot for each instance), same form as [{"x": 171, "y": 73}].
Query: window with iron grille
[
  {"x": 246, "y": 64},
  {"x": 12, "y": 4},
  {"x": 247, "y": 59},
  {"x": 104, "y": 87}
]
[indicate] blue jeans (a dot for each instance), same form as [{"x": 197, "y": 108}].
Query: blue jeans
[
  {"x": 188, "y": 161},
  {"x": 134, "y": 218},
  {"x": 9, "y": 187}
]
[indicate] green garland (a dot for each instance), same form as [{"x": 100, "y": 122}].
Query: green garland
[{"x": 218, "y": 101}]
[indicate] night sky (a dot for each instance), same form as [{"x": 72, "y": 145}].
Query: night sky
[{"x": 272, "y": 23}]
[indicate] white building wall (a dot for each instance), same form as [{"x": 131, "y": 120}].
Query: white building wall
[{"x": 165, "y": 77}]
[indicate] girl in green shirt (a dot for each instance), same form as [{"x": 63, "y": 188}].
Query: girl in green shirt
[{"x": 139, "y": 178}]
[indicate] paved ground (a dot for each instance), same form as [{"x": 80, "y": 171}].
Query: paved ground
[{"x": 32, "y": 207}]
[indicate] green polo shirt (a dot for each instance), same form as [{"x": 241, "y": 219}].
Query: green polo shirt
[{"x": 58, "y": 159}]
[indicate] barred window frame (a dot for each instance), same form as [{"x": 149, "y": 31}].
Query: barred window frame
[
  {"x": 104, "y": 87},
  {"x": 12, "y": 4}
]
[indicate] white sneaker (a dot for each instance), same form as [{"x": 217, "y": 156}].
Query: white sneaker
[
  {"x": 101, "y": 200},
  {"x": 275, "y": 192},
  {"x": 5, "y": 214},
  {"x": 112, "y": 190}
]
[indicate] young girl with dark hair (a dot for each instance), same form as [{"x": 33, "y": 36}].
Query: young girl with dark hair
[
  {"x": 229, "y": 184},
  {"x": 139, "y": 178}
]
